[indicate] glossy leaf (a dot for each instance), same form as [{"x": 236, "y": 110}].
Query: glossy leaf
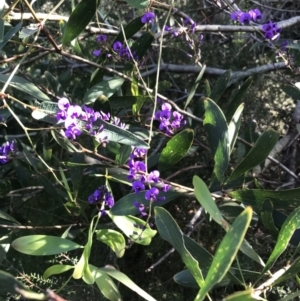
[
  {"x": 10, "y": 34},
  {"x": 105, "y": 88},
  {"x": 281, "y": 199},
  {"x": 130, "y": 29},
  {"x": 237, "y": 99},
  {"x": 170, "y": 231},
  {"x": 40, "y": 245},
  {"x": 128, "y": 225},
  {"x": 123, "y": 155},
  {"x": 195, "y": 86},
  {"x": 57, "y": 269},
  {"x": 125, "y": 205},
  {"x": 119, "y": 276},
  {"x": 220, "y": 86},
  {"x": 176, "y": 149},
  {"x": 288, "y": 228},
  {"x": 138, "y": 3},
  {"x": 113, "y": 239},
  {"x": 226, "y": 252},
  {"x": 205, "y": 199},
  {"x": 105, "y": 284},
  {"x": 217, "y": 134},
  {"x": 234, "y": 126},
  {"x": 24, "y": 86},
  {"x": 257, "y": 154},
  {"x": 79, "y": 19}
]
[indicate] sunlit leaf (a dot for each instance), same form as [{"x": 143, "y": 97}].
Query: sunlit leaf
[
  {"x": 113, "y": 239},
  {"x": 170, "y": 231},
  {"x": 176, "y": 149},
  {"x": 234, "y": 126},
  {"x": 24, "y": 86},
  {"x": 57, "y": 269},
  {"x": 226, "y": 252},
  {"x": 105, "y": 88},
  {"x": 134, "y": 228},
  {"x": 119, "y": 276},
  {"x": 40, "y": 245},
  {"x": 242, "y": 296}
]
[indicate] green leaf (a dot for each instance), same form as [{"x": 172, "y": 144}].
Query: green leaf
[
  {"x": 130, "y": 29},
  {"x": 204, "y": 198},
  {"x": 234, "y": 126},
  {"x": 292, "y": 91},
  {"x": 8, "y": 284},
  {"x": 40, "y": 245},
  {"x": 138, "y": 3},
  {"x": 257, "y": 154},
  {"x": 113, "y": 239},
  {"x": 105, "y": 284},
  {"x": 125, "y": 205},
  {"x": 217, "y": 131},
  {"x": 288, "y": 228},
  {"x": 170, "y": 231},
  {"x": 123, "y": 155},
  {"x": 127, "y": 224},
  {"x": 226, "y": 252},
  {"x": 289, "y": 273},
  {"x": 238, "y": 98},
  {"x": 280, "y": 199},
  {"x": 220, "y": 86},
  {"x": 195, "y": 86},
  {"x": 5, "y": 216},
  {"x": 57, "y": 269},
  {"x": 266, "y": 215},
  {"x": 176, "y": 149},
  {"x": 105, "y": 88},
  {"x": 24, "y": 86},
  {"x": 79, "y": 19},
  {"x": 126, "y": 281},
  {"x": 242, "y": 296},
  {"x": 10, "y": 34}
]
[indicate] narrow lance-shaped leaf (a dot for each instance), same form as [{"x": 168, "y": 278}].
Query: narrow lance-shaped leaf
[
  {"x": 234, "y": 126},
  {"x": 220, "y": 86},
  {"x": 79, "y": 19},
  {"x": 257, "y": 154},
  {"x": 217, "y": 131},
  {"x": 288, "y": 228},
  {"x": 226, "y": 252},
  {"x": 170, "y": 231},
  {"x": 138, "y": 3},
  {"x": 57, "y": 269},
  {"x": 176, "y": 149}
]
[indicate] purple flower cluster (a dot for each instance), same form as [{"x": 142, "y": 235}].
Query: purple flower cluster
[
  {"x": 246, "y": 17},
  {"x": 101, "y": 38},
  {"x": 148, "y": 17},
  {"x": 170, "y": 122},
  {"x": 271, "y": 31},
  {"x": 123, "y": 51},
  {"x": 101, "y": 196},
  {"x": 73, "y": 114},
  {"x": 140, "y": 179},
  {"x": 5, "y": 150},
  {"x": 191, "y": 24}
]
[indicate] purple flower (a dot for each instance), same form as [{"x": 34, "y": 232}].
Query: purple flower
[
  {"x": 255, "y": 14},
  {"x": 271, "y": 31},
  {"x": 148, "y": 17},
  {"x": 96, "y": 53},
  {"x": 61, "y": 115},
  {"x": 153, "y": 176},
  {"x": 63, "y": 104},
  {"x": 166, "y": 187},
  {"x": 5, "y": 151},
  {"x": 138, "y": 186},
  {"x": 167, "y": 28},
  {"x": 138, "y": 153},
  {"x": 101, "y": 194},
  {"x": 117, "y": 46},
  {"x": 74, "y": 111},
  {"x": 235, "y": 16},
  {"x": 140, "y": 207},
  {"x": 139, "y": 166},
  {"x": 151, "y": 194},
  {"x": 72, "y": 132},
  {"x": 245, "y": 18},
  {"x": 102, "y": 38}
]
